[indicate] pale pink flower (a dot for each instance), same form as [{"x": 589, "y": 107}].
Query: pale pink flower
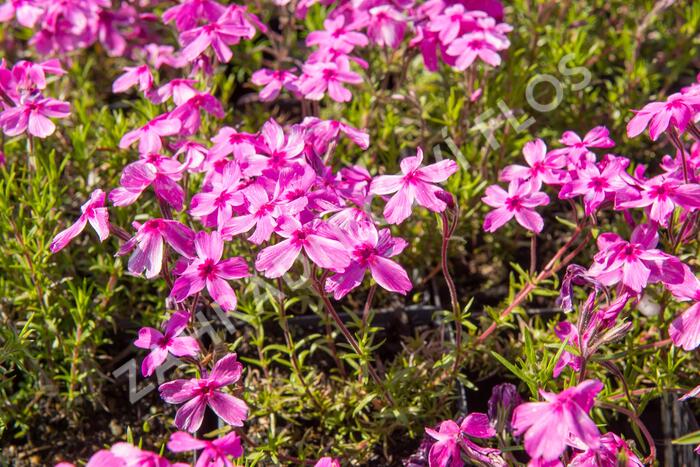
[
  {"x": 519, "y": 201},
  {"x": 274, "y": 81},
  {"x": 279, "y": 149},
  {"x": 577, "y": 148},
  {"x": 93, "y": 212},
  {"x": 224, "y": 193},
  {"x": 386, "y": 26},
  {"x": 133, "y": 76},
  {"x": 561, "y": 420},
  {"x": 322, "y": 77},
  {"x": 161, "y": 344},
  {"x": 327, "y": 462},
  {"x": 685, "y": 329},
  {"x": 147, "y": 245},
  {"x": 543, "y": 168},
  {"x": 227, "y": 30},
  {"x": 471, "y": 46},
  {"x": 188, "y": 12},
  {"x": 180, "y": 90},
  {"x": 149, "y": 136},
  {"x": 198, "y": 393},
  {"x": 416, "y": 183},
  {"x": 337, "y": 35},
  {"x": 154, "y": 169}
]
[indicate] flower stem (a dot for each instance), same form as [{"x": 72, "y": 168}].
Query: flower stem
[
  {"x": 447, "y": 231},
  {"x": 351, "y": 339},
  {"x": 635, "y": 418}
]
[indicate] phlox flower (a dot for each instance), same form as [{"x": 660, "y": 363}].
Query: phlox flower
[
  {"x": 94, "y": 212},
  {"x": 210, "y": 271},
  {"x": 566, "y": 332},
  {"x": 188, "y": 12},
  {"x": 685, "y": 329},
  {"x": 149, "y": 136},
  {"x": 279, "y": 150},
  {"x": 448, "y": 24},
  {"x": 32, "y": 115},
  {"x": 147, "y": 245},
  {"x": 152, "y": 169},
  {"x": 160, "y": 344},
  {"x": 661, "y": 195},
  {"x": 451, "y": 441},
  {"x": 322, "y": 77},
  {"x": 28, "y": 12},
  {"x": 133, "y": 456},
  {"x": 543, "y": 168},
  {"x": 678, "y": 110},
  {"x": 634, "y": 263},
  {"x": 371, "y": 250},
  {"x": 262, "y": 212},
  {"x": 28, "y": 76},
  {"x": 215, "y": 453},
  {"x": 274, "y": 81},
  {"x": 224, "y": 193},
  {"x": 189, "y": 112},
  {"x": 415, "y": 183},
  {"x": 578, "y": 148},
  {"x": 322, "y": 133},
  {"x": 337, "y": 35},
  {"x": 316, "y": 239},
  {"x": 471, "y": 46},
  {"x": 195, "y": 154},
  {"x": 386, "y": 26},
  {"x": 519, "y": 201},
  {"x": 198, "y": 393},
  {"x": 180, "y": 90},
  {"x": 596, "y": 185},
  {"x": 137, "y": 75},
  {"x": 327, "y": 462},
  {"x": 612, "y": 451},
  {"x": 560, "y": 420}
]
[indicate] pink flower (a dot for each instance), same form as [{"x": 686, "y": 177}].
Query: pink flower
[
  {"x": 542, "y": 167},
  {"x": 160, "y": 344},
  {"x": 327, "y": 462},
  {"x": 662, "y": 194},
  {"x": 678, "y": 111},
  {"x": 94, "y": 212},
  {"x": 322, "y": 77},
  {"x": 321, "y": 133},
  {"x": 189, "y": 112},
  {"x": 218, "y": 35},
  {"x": 181, "y": 90},
  {"x": 519, "y": 201},
  {"x": 149, "y": 135},
  {"x": 370, "y": 250},
  {"x": 577, "y": 148},
  {"x": 415, "y": 184},
  {"x": 206, "y": 391},
  {"x": 274, "y": 81},
  {"x": 32, "y": 116},
  {"x": 28, "y": 12},
  {"x": 337, "y": 35},
  {"x": 208, "y": 270},
  {"x": 318, "y": 241},
  {"x": 566, "y": 332},
  {"x": 595, "y": 185},
  {"x": 281, "y": 150},
  {"x": 263, "y": 212},
  {"x": 386, "y": 26},
  {"x": 452, "y": 441},
  {"x": 215, "y": 453},
  {"x": 132, "y": 456},
  {"x": 222, "y": 196},
  {"x": 610, "y": 452},
  {"x": 474, "y": 45},
  {"x": 148, "y": 245},
  {"x": 561, "y": 420},
  {"x": 685, "y": 329},
  {"x": 138, "y": 75},
  {"x": 189, "y": 12},
  {"x": 103, "y": 458},
  {"x": 634, "y": 263},
  {"x": 153, "y": 169}
]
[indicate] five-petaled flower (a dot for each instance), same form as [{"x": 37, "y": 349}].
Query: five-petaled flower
[
  {"x": 94, "y": 212},
  {"x": 519, "y": 201},
  {"x": 160, "y": 344}
]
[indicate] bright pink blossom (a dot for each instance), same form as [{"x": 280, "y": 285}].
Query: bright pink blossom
[
  {"x": 678, "y": 110},
  {"x": 223, "y": 194},
  {"x": 328, "y": 77},
  {"x": 561, "y": 420},
  {"x": 94, "y": 212},
  {"x": 662, "y": 194},
  {"x": 318, "y": 240},
  {"x": 149, "y": 136},
  {"x": 371, "y": 250},
  {"x": 216, "y": 453},
  {"x": 609, "y": 453},
  {"x": 519, "y": 201},
  {"x": 595, "y": 185},
  {"x": 154, "y": 169},
  {"x": 32, "y": 116},
  {"x": 188, "y": 12},
  {"x": 274, "y": 81},
  {"x": 160, "y": 344},
  {"x": 386, "y": 26},
  {"x": 133, "y": 76},
  {"x": 198, "y": 393},
  {"x": 451, "y": 441},
  {"x": 210, "y": 271},
  {"x": 543, "y": 168},
  {"x": 337, "y": 35},
  {"x": 416, "y": 183},
  {"x": 577, "y": 148}
]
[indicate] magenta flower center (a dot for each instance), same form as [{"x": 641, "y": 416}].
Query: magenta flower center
[
  {"x": 364, "y": 253},
  {"x": 630, "y": 252},
  {"x": 514, "y": 203},
  {"x": 208, "y": 269},
  {"x": 661, "y": 191},
  {"x": 598, "y": 183},
  {"x": 329, "y": 74}
]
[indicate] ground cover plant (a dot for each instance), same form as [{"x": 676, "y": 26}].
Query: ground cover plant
[{"x": 303, "y": 232}]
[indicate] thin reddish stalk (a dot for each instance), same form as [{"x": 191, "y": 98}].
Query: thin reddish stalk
[
  {"x": 633, "y": 416},
  {"x": 551, "y": 268}
]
